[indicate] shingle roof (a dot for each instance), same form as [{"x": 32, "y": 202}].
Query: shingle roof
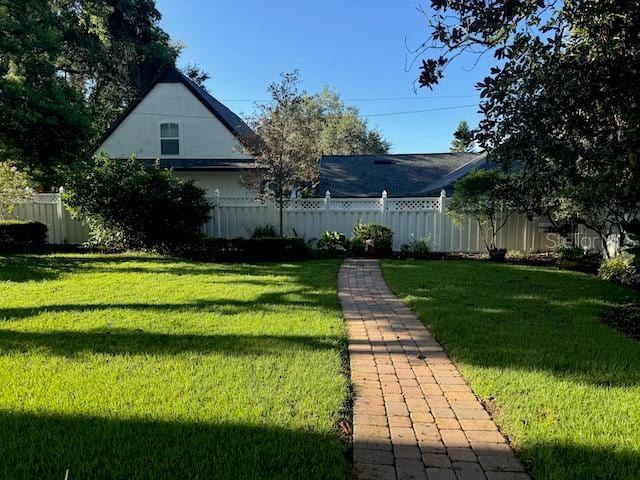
[
  {"x": 407, "y": 175},
  {"x": 170, "y": 74}
]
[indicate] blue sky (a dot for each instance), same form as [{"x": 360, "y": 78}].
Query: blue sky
[{"x": 359, "y": 48}]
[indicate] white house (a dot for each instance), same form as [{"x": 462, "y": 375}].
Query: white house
[{"x": 186, "y": 129}]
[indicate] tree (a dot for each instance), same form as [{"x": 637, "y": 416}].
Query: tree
[
  {"x": 561, "y": 103},
  {"x": 284, "y": 144},
  {"x": 483, "y": 195},
  {"x": 67, "y": 69},
  {"x": 129, "y": 206},
  {"x": 463, "y": 139},
  {"x": 14, "y": 188},
  {"x": 339, "y": 129},
  {"x": 44, "y": 120}
]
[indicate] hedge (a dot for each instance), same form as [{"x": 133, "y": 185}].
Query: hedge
[
  {"x": 264, "y": 249},
  {"x": 22, "y": 236}
]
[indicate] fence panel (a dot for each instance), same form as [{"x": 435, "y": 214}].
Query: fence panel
[
  {"x": 409, "y": 218},
  {"x": 48, "y": 209}
]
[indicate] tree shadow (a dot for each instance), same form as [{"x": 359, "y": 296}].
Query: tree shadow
[
  {"x": 563, "y": 461},
  {"x": 45, "y": 446},
  {"x": 138, "y": 342},
  {"x": 528, "y": 318},
  {"x": 265, "y": 302},
  {"x": 24, "y": 268}
]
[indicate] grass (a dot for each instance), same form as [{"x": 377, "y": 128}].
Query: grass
[
  {"x": 566, "y": 387},
  {"x": 141, "y": 367}
]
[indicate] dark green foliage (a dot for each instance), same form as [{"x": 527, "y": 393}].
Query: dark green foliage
[
  {"x": 416, "y": 250},
  {"x": 463, "y": 138},
  {"x": 22, "y": 236},
  {"x": 129, "y": 206},
  {"x": 67, "y": 70},
  {"x": 484, "y": 196},
  {"x": 261, "y": 231},
  {"x": 246, "y": 250},
  {"x": 332, "y": 243},
  {"x": 576, "y": 258},
  {"x": 560, "y": 103},
  {"x": 621, "y": 269},
  {"x": 372, "y": 240}
]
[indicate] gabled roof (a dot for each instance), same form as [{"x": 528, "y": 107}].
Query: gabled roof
[
  {"x": 407, "y": 175},
  {"x": 171, "y": 74}
]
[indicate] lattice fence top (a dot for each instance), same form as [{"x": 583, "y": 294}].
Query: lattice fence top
[
  {"x": 238, "y": 202},
  {"x": 355, "y": 204},
  {"x": 412, "y": 204},
  {"x": 45, "y": 198},
  {"x": 309, "y": 204}
]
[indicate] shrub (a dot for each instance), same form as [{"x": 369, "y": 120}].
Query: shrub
[
  {"x": 22, "y": 236},
  {"x": 14, "y": 188},
  {"x": 576, "y": 258},
  {"x": 129, "y": 206},
  {"x": 620, "y": 269},
  {"x": 371, "y": 239},
  {"x": 266, "y": 249},
  {"x": 332, "y": 243},
  {"x": 263, "y": 231},
  {"x": 570, "y": 253},
  {"x": 417, "y": 249}
]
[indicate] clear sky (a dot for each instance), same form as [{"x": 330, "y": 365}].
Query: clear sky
[{"x": 361, "y": 48}]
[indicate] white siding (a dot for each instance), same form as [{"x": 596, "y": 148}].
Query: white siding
[
  {"x": 202, "y": 135},
  {"x": 228, "y": 183}
]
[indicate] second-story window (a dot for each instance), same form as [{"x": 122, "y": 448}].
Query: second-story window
[{"x": 169, "y": 139}]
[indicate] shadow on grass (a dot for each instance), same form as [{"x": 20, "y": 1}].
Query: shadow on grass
[
  {"x": 24, "y": 268},
  {"x": 46, "y": 446},
  {"x": 515, "y": 317},
  {"x": 131, "y": 342},
  {"x": 224, "y": 306},
  {"x": 563, "y": 461}
]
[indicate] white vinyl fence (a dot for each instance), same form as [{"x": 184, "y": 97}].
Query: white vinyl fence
[
  {"x": 409, "y": 218},
  {"x": 48, "y": 209}
]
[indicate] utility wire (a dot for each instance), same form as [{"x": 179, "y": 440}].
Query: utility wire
[
  {"x": 385, "y": 114},
  {"x": 418, "y": 111},
  {"x": 381, "y": 99}
]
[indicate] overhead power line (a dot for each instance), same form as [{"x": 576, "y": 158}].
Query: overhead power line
[
  {"x": 407, "y": 112},
  {"x": 418, "y": 111},
  {"x": 381, "y": 99}
]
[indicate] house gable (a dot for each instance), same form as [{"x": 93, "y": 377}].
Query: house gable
[{"x": 206, "y": 128}]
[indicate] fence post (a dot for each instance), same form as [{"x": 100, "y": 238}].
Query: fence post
[
  {"x": 216, "y": 212},
  {"x": 327, "y": 200},
  {"x": 60, "y": 213},
  {"x": 383, "y": 207},
  {"x": 440, "y": 228}
]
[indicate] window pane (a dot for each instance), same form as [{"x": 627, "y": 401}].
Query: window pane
[
  {"x": 169, "y": 130},
  {"x": 169, "y": 147}
]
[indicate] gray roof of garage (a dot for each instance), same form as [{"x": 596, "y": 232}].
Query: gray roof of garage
[{"x": 406, "y": 175}]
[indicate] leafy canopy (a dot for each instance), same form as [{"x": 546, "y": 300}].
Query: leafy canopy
[
  {"x": 130, "y": 206},
  {"x": 463, "y": 139},
  {"x": 561, "y": 101},
  {"x": 482, "y": 195},
  {"x": 14, "y": 188}
]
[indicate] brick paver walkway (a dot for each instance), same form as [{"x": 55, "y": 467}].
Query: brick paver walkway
[{"x": 414, "y": 417}]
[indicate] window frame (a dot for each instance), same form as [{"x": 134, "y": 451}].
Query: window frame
[{"x": 178, "y": 138}]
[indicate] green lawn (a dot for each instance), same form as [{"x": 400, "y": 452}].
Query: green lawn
[
  {"x": 132, "y": 367},
  {"x": 566, "y": 387}
]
